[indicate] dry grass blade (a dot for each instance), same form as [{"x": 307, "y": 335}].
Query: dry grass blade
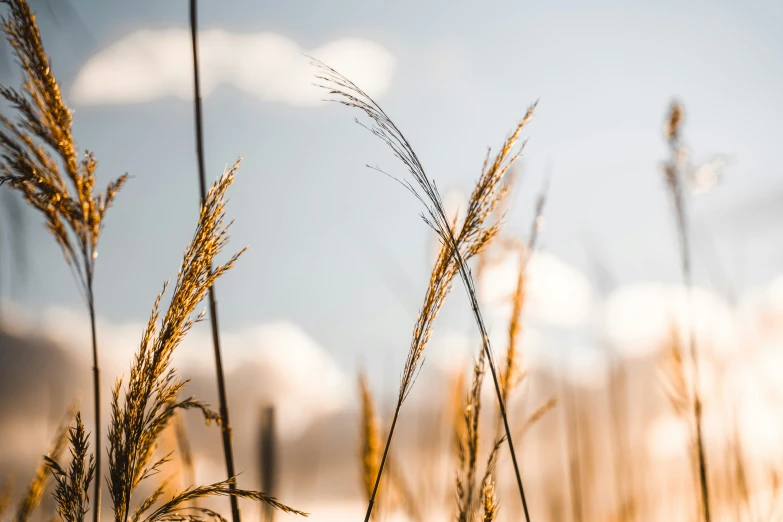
[
  {"x": 149, "y": 401},
  {"x": 175, "y": 509},
  {"x": 35, "y": 490},
  {"x": 73, "y": 484},
  {"x": 536, "y": 416},
  {"x": 458, "y": 244}
]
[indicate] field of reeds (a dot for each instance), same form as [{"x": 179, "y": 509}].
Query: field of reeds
[{"x": 684, "y": 430}]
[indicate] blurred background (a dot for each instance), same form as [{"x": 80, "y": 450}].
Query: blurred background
[{"x": 339, "y": 258}]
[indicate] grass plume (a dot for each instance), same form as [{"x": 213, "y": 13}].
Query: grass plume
[
  {"x": 489, "y": 500},
  {"x": 458, "y": 244},
  {"x": 61, "y": 189},
  {"x": 142, "y": 412}
]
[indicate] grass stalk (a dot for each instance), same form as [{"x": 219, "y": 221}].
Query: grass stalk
[
  {"x": 96, "y": 383},
  {"x": 228, "y": 450},
  {"x": 457, "y": 246},
  {"x": 39, "y": 159},
  {"x": 676, "y": 189}
]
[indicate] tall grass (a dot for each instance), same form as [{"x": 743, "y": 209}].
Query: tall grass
[
  {"x": 458, "y": 245},
  {"x": 147, "y": 403},
  {"x": 677, "y": 186},
  {"x": 40, "y": 160}
]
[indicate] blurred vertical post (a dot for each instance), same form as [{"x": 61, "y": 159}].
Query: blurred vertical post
[
  {"x": 225, "y": 425},
  {"x": 267, "y": 465}
]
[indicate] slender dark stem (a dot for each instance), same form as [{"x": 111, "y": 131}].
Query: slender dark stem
[
  {"x": 96, "y": 377},
  {"x": 383, "y": 463},
  {"x": 685, "y": 251},
  {"x": 228, "y": 450}
]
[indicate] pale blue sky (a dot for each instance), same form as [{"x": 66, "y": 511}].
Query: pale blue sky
[{"x": 317, "y": 220}]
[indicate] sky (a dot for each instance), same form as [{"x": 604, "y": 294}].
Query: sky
[{"x": 339, "y": 249}]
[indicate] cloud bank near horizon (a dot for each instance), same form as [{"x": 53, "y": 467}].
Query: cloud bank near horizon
[{"x": 147, "y": 65}]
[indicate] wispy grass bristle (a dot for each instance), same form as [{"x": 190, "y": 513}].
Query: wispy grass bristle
[
  {"x": 489, "y": 500},
  {"x": 177, "y": 508}
]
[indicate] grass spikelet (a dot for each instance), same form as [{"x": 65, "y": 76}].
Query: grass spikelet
[
  {"x": 73, "y": 485},
  {"x": 150, "y": 396},
  {"x": 489, "y": 500},
  {"x": 35, "y": 490},
  {"x": 61, "y": 189},
  {"x": 459, "y": 243},
  {"x": 467, "y": 443}
]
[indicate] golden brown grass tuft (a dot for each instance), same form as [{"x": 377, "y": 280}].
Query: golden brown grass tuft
[
  {"x": 472, "y": 496},
  {"x": 73, "y": 484},
  {"x": 61, "y": 189},
  {"x": 144, "y": 410},
  {"x": 466, "y": 438},
  {"x": 489, "y": 500}
]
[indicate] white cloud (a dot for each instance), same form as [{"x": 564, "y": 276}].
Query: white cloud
[
  {"x": 152, "y": 64},
  {"x": 556, "y": 293},
  {"x": 638, "y": 317},
  {"x": 294, "y": 372}
]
